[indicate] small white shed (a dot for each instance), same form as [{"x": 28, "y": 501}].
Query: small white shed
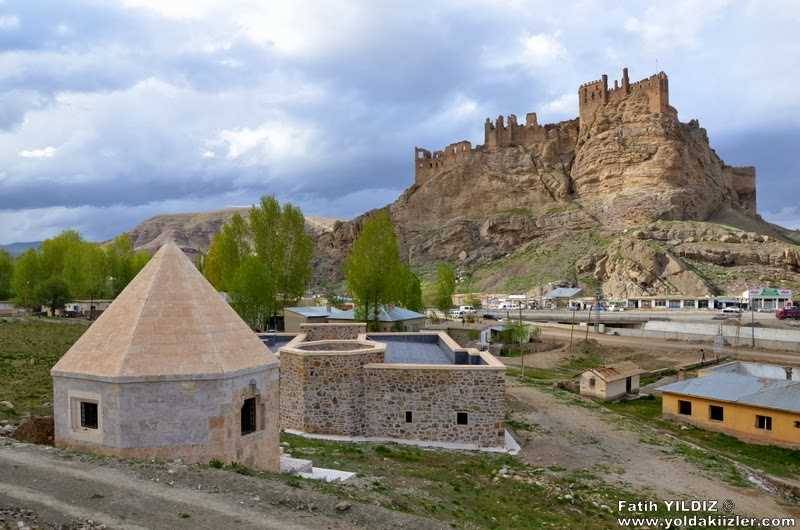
[{"x": 611, "y": 381}]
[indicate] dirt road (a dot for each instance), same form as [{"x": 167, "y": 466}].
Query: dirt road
[
  {"x": 581, "y": 437},
  {"x": 56, "y": 488}
]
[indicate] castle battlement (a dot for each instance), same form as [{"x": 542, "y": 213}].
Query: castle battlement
[
  {"x": 595, "y": 94},
  {"x": 506, "y": 131}
]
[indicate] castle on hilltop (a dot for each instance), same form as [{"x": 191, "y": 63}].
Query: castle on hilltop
[
  {"x": 595, "y": 94},
  {"x": 507, "y": 132}
]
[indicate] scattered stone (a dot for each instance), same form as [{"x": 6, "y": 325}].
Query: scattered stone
[{"x": 343, "y": 506}]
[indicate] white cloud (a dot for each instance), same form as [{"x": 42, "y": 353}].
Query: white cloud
[
  {"x": 9, "y": 22},
  {"x": 564, "y": 105},
  {"x": 673, "y": 25},
  {"x": 275, "y": 142},
  {"x": 176, "y": 8},
  {"x": 530, "y": 51},
  {"x": 542, "y": 49},
  {"x": 45, "y": 152}
]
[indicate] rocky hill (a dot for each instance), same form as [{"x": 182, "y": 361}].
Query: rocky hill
[
  {"x": 625, "y": 198},
  {"x": 193, "y": 231}
]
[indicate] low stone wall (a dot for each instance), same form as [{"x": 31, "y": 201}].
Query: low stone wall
[
  {"x": 346, "y": 331},
  {"x": 434, "y": 396}
]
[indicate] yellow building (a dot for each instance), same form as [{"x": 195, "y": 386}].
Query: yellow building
[{"x": 754, "y": 402}]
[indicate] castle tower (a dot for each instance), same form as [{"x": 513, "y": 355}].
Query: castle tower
[{"x": 593, "y": 95}]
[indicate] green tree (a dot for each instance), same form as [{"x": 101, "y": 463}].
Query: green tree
[
  {"x": 27, "y": 276},
  {"x": 275, "y": 237},
  {"x": 251, "y": 293},
  {"x": 96, "y": 273},
  {"x": 228, "y": 248},
  {"x": 6, "y": 273},
  {"x": 298, "y": 249},
  {"x": 445, "y": 286},
  {"x": 123, "y": 262},
  {"x": 373, "y": 268},
  {"x": 411, "y": 290},
  {"x": 57, "y": 251},
  {"x": 53, "y": 293}
]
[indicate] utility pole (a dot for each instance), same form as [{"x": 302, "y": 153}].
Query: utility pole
[
  {"x": 589, "y": 321},
  {"x": 521, "y": 352},
  {"x": 571, "y": 330},
  {"x": 752, "y": 322}
]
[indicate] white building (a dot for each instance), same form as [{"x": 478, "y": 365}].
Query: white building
[{"x": 767, "y": 298}]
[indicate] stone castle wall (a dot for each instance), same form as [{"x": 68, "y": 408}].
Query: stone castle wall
[
  {"x": 595, "y": 94},
  {"x": 434, "y": 396},
  {"x": 332, "y": 331},
  {"x": 504, "y": 132}
]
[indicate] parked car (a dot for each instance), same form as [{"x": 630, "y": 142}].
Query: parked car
[
  {"x": 732, "y": 309},
  {"x": 615, "y": 308},
  {"x": 490, "y": 316},
  {"x": 788, "y": 312},
  {"x": 467, "y": 310},
  {"x": 455, "y": 313}
]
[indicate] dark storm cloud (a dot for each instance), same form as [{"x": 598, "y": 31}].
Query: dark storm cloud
[{"x": 141, "y": 106}]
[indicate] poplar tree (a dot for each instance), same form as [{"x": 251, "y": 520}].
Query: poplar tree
[
  {"x": 445, "y": 286},
  {"x": 272, "y": 237},
  {"x": 373, "y": 269},
  {"x": 27, "y": 276},
  {"x": 6, "y": 273}
]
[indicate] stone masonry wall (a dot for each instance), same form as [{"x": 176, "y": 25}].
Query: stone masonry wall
[
  {"x": 333, "y": 331},
  {"x": 324, "y": 393},
  {"x": 434, "y": 396},
  {"x": 196, "y": 421}
]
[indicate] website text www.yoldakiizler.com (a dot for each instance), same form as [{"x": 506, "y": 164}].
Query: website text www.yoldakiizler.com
[{"x": 692, "y": 514}]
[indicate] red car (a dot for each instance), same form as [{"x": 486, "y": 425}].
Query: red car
[{"x": 788, "y": 312}]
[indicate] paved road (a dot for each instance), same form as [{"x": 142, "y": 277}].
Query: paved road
[
  {"x": 764, "y": 319},
  {"x": 650, "y": 343}
]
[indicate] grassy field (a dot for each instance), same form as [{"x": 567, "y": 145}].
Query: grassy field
[
  {"x": 467, "y": 490},
  {"x": 28, "y": 349}
]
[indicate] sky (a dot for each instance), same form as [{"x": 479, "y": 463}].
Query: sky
[{"x": 112, "y": 111}]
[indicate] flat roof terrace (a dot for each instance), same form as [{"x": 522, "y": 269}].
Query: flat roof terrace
[{"x": 422, "y": 348}]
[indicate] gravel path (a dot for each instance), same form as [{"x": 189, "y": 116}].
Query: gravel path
[
  {"x": 579, "y": 437},
  {"x": 46, "y": 487}
]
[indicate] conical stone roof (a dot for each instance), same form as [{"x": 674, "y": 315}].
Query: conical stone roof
[{"x": 168, "y": 323}]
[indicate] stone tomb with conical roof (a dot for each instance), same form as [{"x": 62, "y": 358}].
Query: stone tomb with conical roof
[{"x": 169, "y": 371}]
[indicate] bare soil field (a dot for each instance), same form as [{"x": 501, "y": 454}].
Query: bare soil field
[{"x": 573, "y": 434}]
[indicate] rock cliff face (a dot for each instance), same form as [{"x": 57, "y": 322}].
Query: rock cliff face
[{"x": 626, "y": 198}]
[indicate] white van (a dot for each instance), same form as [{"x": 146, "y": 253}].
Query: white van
[{"x": 466, "y": 310}]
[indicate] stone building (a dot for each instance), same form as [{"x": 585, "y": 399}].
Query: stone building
[
  {"x": 169, "y": 371},
  {"x": 406, "y": 386}
]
